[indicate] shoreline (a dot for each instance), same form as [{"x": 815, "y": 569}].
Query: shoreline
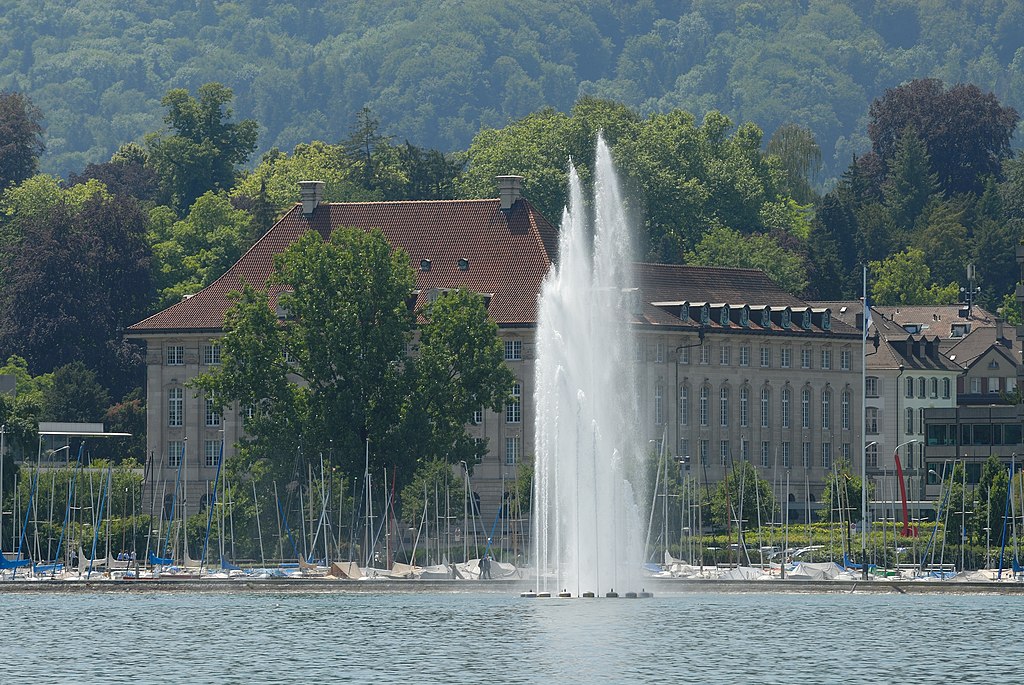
[{"x": 658, "y": 586}]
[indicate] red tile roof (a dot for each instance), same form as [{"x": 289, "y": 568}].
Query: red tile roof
[{"x": 508, "y": 254}]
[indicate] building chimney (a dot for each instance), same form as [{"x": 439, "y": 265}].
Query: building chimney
[
  {"x": 509, "y": 190},
  {"x": 999, "y": 329},
  {"x": 311, "y": 193}
]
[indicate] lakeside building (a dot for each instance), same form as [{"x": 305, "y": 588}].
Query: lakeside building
[
  {"x": 731, "y": 367},
  {"x": 907, "y": 374}
]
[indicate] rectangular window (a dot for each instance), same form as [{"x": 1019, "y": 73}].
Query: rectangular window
[
  {"x": 846, "y": 410},
  {"x": 785, "y": 407},
  {"x": 744, "y": 406},
  {"x": 478, "y": 416},
  {"x": 765, "y": 407},
  {"x": 785, "y": 455},
  {"x": 684, "y": 406},
  {"x": 659, "y": 405},
  {"x": 908, "y": 428},
  {"x": 659, "y": 353},
  {"x": 805, "y": 408},
  {"x": 212, "y": 416},
  {"x": 805, "y": 358},
  {"x": 786, "y": 354},
  {"x": 871, "y": 386},
  {"x": 705, "y": 354},
  {"x": 993, "y": 384},
  {"x": 175, "y": 407},
  {"x": 946, "y": 387},
  {"x": 513, "y": 410},
  {"x": 175, "y": 452},
  {"x": 723, "y": 449},
  {"x": 704, "y": 447},
  {"x": 211, "y": 354},
  {"x": 512, "y": 450},
  {"x": 724, "y": 354},
  {"x": 826, "y": 359},
  {"x": 826, "y": 410},
  {"x": 844, "y": 360},
  {"x": 724, "y": 406},
  {"x": 175, "y": 355},
  {"x": 805, "y": 454},
  {"x": 638, "y": 351},
  {"x": 513, "y": 350},
  {"x": 744, "y": 355},
  {"x": 766, "y": 357},
  {"x": 684, "y": 447},
  {"x": 683, "y": 355},
  {"x": 846, "y": 450},
  {"x": 702, "y": 409},
  {"x": 211, "y": 450},
  {"x": 744, "y": 449},
  {"x": 975, "y": 386},
  {"x": 872, "y": 456},
  {"x": 765, "y": 454},
  {"x": 826, "y": 455}
]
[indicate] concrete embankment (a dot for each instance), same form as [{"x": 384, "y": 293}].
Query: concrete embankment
[{"x": 659, "y": 586}]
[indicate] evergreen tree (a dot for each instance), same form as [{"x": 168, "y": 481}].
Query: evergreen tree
[{"x": 910, "y": 183}]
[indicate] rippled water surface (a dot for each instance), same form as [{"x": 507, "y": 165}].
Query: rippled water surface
[{"x": 495, "y": 638}]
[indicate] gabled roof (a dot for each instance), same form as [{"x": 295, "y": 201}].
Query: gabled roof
[
  {"x": 937, "y": 319},
  {"x": 508, "y": 253},
  {"x": 978, "y": 342}
]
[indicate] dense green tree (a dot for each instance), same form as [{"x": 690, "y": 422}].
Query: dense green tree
[
  {"x": 904, "y": 278},
  {"x": 911, "y": 182},
  {"x": 125, "y": 174},
  {"x": 435, "y": 487},
  {"x": 726, "y": 247},
  {"x": 945, "y": 243},
  {"x": 202, "y": 148},
  {"x": 459, "y": 370},
  {"x": 967, "y": 132},
  {"x": 990, "y": 499},
  {"x": 75, "y": 280},
  {"x": 832, "y": 250},
  {"x": 191, "y": 253},
  {"x": 21, "y": 138},
  {"x": 74, "y": 394},
  {"x": 800, "y": 156}
]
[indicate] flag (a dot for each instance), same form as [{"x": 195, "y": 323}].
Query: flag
[{"x": 867, "y": 316}]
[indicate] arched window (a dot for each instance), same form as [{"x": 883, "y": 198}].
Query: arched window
[
  {"x": 846, "y": 410},
  {"x": 684, "y": 405},
  {"x": 946, "y": 384},
  {"x": 908, "y": 427},
  {"x": 765, "y": 406},
  {"x": 659, "y": 404},
  {"x": 826, "y": 409},
  {"x": 805, "y": 408},
  {"x": 921, "y": 383},
  {"x": 703, "y": 406},
  {"x": 934, "y": 383},
  {"x": 724, "y": 405},
  {"x": 910, "y": 386},
  {"x": 744, "y": 406},
  {"x": 785, "y": 407}
]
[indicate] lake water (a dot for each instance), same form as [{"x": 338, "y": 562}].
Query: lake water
[{"x": 497, "y": 638}]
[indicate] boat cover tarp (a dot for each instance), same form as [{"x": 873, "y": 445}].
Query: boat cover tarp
[
  {"x": 345, "y": 569},
  {"x": 6, "y": 563},
  {"x": 743, "y": 573},
  {"x": 154, "y": 560},
  {"x": 819, "y": 571}
]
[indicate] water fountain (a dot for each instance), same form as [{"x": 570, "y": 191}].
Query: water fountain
[{"x": 588, "y": 480}]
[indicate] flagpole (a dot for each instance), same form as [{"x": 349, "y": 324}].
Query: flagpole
[{"x": 866, "y": 318}]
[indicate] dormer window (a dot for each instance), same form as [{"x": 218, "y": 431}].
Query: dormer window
[
  {"x": 912, "y": 328},
  {"x": 745, "y": 316},
  {"x": 424, "y": 265},
  {"x": 959, "y": 330},
  {"x": 705, "y": 315},
  {"x": 786, "y": 318},
  {"x": 723, "y": 316},
  {"x": 826, "y": 321},
  {"x": 806, "y": 319},
  {"x": 766, "y": 318},
  {"x": 684, "y": 311}
]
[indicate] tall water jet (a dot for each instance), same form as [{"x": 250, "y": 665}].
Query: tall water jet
[{"x": 588, "y": 476}]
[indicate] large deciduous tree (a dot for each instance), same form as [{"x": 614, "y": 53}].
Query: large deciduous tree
[
  {"x": 21, "y": 138},
  {"x": 332, "y": 373},
  {"x": 75, "y": 277},
  {"x": 203, "y": 148},
  {"x": 966, "y": 131}
]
